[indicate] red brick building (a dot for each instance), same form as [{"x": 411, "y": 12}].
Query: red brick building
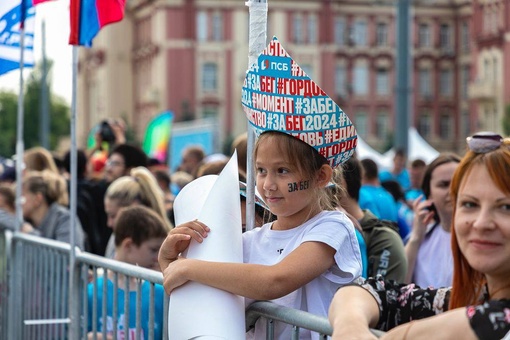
[{"x": 190, "y": 56}]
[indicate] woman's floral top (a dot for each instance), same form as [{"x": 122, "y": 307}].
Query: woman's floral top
[{"x": 401, "y": 303}]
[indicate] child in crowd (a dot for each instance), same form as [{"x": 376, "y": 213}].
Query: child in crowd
[
  {"x": 297, "y": 261},
  {"x": 139, "y": 188},
  {"x": 139, "y": 234}
]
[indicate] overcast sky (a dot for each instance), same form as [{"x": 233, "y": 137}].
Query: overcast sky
[{"x": 56, "y": 16}]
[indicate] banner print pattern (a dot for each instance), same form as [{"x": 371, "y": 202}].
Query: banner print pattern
[{"x": 278, "y": 96}]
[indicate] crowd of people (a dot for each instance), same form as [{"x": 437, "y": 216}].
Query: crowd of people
[{"x": 366, "y": 247}]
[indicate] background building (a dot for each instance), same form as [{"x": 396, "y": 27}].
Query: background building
[{"x": 190, "y": 56}]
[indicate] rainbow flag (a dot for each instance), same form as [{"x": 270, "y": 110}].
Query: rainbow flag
[
  {"x": 89, "y": 16},
  {"x": 157, "y": 136}
]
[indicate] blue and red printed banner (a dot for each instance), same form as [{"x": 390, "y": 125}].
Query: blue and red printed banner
[
  {"x": 89, "y": 16},
  {"x": 13, "y": 14},
  {"x": 277, "y": 95}
]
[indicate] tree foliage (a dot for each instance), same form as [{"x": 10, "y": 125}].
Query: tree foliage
[{"x": 58, "y": 115}]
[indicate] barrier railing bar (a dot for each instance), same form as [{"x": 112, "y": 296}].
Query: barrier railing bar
[{"x": 46, "y": 322}]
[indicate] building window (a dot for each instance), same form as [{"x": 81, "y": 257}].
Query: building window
[
  {"x": 464, "y": 34},
  {"x": 424, "y": 35},
  {"x": 312, "y": 29},
  {"x": 217, "y": 26},
  {"x": 446, "y": 82},
  {"x": 308, "y": 69},
  {"x": 424, "y": 83},
  {"x": 382, "y": 34},
  {"x": 340, "y": 31},
  {"x": 210, "y": 111},
  {"x": 340, "y": 80},
  {"x": 382, "y": 121},
  {"x": 360, "y": 33},
  {"x": 201, "y": 26},
  {"x": 382, "y": 82},
  {"x": 464, "y": 81},
  {"x": 424, "y": 124},
  {"x": 445, "y": 127},
  {"x": 297, "y": 27},
  {"x": 209, "y": 77},
  {"x": 444, "y": 37},
  {"x": 360, "y": 81},
  {"x": 361, "y": 123}
]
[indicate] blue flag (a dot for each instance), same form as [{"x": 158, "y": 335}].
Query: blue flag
[{"x": 12, "y": 13}]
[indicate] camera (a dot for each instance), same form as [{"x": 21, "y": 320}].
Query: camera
[{"x": 106, "y": 132}]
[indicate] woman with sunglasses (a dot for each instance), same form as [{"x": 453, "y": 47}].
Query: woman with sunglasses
[{"x": 477, "y": 306}]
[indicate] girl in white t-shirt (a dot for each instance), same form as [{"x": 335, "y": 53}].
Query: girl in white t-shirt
[{"x": 300, "y": 259}]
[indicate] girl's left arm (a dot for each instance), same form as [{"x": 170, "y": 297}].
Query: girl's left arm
[{"x": 255, "y": 281}]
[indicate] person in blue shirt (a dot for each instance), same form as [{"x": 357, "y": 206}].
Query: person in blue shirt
[
  {"x": 373, "y": 196},
  {"x": 399, "y": 172},
  {"x": 139, "y": 233}
]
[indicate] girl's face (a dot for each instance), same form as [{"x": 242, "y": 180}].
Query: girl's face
[
  {"x": 440, "y": 187},
  {"x": 482, "y": 224},
  {"x": 288, "y": 195}
]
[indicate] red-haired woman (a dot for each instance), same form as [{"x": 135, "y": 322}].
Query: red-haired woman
[{"x": 477, "y": 306}]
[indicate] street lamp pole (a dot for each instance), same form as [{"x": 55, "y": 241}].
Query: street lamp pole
[{"x": 403, "y": 88}]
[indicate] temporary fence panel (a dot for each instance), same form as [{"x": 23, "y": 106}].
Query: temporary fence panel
[{"x": 35, "y": 301}]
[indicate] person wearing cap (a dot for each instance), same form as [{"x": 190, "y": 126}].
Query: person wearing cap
[{"x": 302, "y": 257}]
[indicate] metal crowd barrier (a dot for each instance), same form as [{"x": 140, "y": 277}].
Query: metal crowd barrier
[{"x": 35, "y": 301}]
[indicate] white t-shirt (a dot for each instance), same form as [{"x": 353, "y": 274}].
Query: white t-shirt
[
  {"x": 434, "y": 261},
  {"x": 268, "y": 247}
]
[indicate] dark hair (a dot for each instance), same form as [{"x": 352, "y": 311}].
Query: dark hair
[
  {"x": 370, "y": 170},
  {"x": 418, "y": 163},
  {"x": 163, "y": 176},
  {"x": 138, "y": 223},
  {"x": 444, "y": 158},
  {"x": 352, "y": 173},
  {"x": 400, "y": 153},
  {"x": 133, "y": 155},
  {"x": 81, "y": 162},
  {"x": 395, "y": 189}
]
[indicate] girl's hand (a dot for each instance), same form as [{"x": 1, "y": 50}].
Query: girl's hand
[
  {"x": 178, "y": 240},
  {"x": 173, "y": 275}
]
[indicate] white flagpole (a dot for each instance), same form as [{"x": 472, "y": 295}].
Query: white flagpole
[
  {"x": 256, "y": 44},
  {"x": 73, "y": 197},
  {"x": 20, "y": 146}
]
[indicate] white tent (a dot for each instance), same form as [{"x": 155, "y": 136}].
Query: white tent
[
  {"x": 364, "y": 151},
  {"x": 418, "y": 148}
]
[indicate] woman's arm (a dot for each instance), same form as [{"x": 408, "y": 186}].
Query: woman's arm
[
  {"x": 449, "y": 325},
  {"x": 259, "y": 282},
  {"x": 352, "y": 312}
]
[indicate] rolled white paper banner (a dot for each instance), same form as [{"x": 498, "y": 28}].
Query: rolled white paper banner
[{"x": 197, "y": 311}]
